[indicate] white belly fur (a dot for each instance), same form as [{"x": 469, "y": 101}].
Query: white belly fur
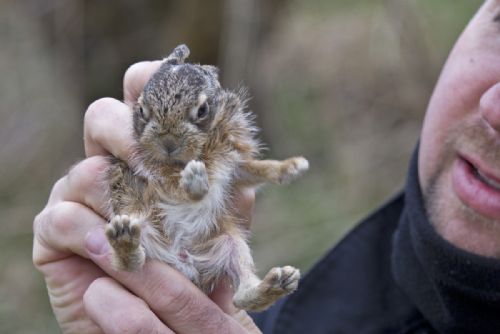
[{"x": 186, "y": 224}]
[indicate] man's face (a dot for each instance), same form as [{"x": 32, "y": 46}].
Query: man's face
[{"x": 459, "y": 158}]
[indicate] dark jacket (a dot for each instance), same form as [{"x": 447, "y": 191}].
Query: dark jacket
[
  {"x": 393, "y": 274},
  {"x": 351, "y": 290}
]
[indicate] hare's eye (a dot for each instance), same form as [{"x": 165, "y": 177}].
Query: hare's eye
[
  {"x": 202, "y": 111},
  {"x": 143, "y": 112}
]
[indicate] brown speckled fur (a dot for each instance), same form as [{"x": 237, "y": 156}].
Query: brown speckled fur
[{"x": 195, "y": 144}]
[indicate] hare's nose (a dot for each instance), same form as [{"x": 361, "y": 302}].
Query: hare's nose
[{"x": 170, "y": 144}]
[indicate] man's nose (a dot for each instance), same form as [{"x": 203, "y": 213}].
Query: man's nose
[{"x": 489, "y": 106}]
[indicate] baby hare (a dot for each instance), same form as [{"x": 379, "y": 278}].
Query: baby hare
[{"x": 194, "y": 146}]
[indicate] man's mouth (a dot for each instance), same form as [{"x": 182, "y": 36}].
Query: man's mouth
[
  {"x": 489, "y": 181},
  {"x": 476, "y": 187}
]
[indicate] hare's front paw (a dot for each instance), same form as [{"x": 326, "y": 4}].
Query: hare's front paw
[
  {"x": 124, "y": 236},
  {"x": 293, "y": 168},
  {"x": 281, "y": 281},
  {"x": 194, "y": 180}
]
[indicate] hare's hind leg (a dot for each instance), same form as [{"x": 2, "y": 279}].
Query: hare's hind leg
[
  {"x": 124, "y": 235},
  {"x": 255, "y": 172},
  {"x": 258, "y": 295},
  {"x": 124, "y": 229},
  {"x": 254, "y": 294}
]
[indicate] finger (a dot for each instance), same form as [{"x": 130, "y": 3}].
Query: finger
[
  {"x": 108, "y": 129},
  {"x": 67, "y": 280},
  {"x": 60, "y": 231},
  {"x": 246, "y": 322},
  {"x": 223, "y": 297},
  {"x": 172, "y": 297},
  {"x": 118, "y": 311},
  {"x": 85, "y": 184},
  {"x": 136, "y": 77}
]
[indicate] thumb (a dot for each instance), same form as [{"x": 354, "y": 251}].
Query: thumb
[
  {"x": 96, "y": 243},
  {"x": 223, "y": 297}
]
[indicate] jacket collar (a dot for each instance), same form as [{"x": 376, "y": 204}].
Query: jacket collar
[{"x": 456, "y": 291}]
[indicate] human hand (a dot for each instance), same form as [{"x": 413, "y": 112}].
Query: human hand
[{"x": 72, "y": 223}]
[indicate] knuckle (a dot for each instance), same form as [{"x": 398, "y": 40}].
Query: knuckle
[
  {"x": 60, "y": 218},
  {"x": 179, "y": 301},
  {"x": 95, "y": 112},
  {"x": 174, "y": 299},
  {"x": 59, "y": 185},
  {"x": 56, "y": 190},
  {"x": 38, "y": 224},
  {"x": 37, "y": 221},
  {"x": 88, "y": 173}
]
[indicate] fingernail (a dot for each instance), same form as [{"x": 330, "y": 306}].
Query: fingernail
[{"x": 96, "y": 242}]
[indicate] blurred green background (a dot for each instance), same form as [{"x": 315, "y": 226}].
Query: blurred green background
[{"x": 344, "y": 83}]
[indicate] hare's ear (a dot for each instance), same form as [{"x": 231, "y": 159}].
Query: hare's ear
[
  {"x": 177, "y": 56},
  {"x": 214, "y": 71}
]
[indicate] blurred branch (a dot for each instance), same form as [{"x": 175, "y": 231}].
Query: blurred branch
[
  {"x": 239, "y": 39},
  {"x": 68, "y": 29},
  {"x": 413, "y": 47}
]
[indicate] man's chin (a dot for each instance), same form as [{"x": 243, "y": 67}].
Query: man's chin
[
  {"x": 459, "y": 224},
  {"x": 461, "y": 196},
  {"x": 478, "y": 236}
]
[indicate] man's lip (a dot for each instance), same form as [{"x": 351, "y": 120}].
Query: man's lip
[
  {"x": 482, "y": 167},
  {"x": 474, "y": 192}
]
